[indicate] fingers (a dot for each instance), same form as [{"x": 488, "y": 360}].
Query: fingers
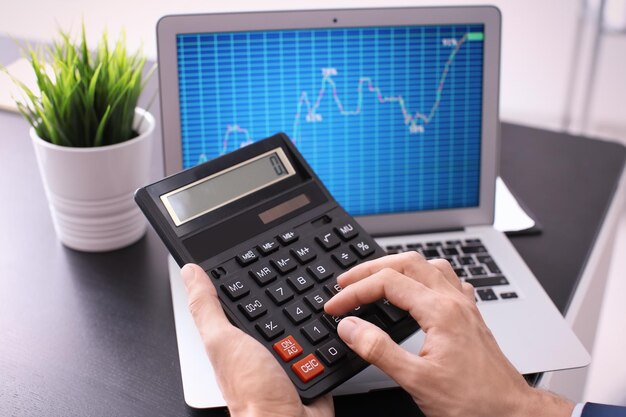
[
  {"x": 204, "y": 305},
  {"x": 468, "y": 291},
  {"x": 376, "y": 347},
  {"x": 400, "y": 290},
  {"x": 411, "y": 264}
]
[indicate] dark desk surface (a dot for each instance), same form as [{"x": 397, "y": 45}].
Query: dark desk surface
[{"x": 93, "y": 334}]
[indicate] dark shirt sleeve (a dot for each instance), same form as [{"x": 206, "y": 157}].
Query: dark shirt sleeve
[{"x": 602, "y": 410}]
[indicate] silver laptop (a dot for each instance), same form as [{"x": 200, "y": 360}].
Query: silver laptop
[{"x": 396, "y": 109}]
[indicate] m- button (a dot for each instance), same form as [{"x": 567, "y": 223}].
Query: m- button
[{"x": 307, "y": 368}]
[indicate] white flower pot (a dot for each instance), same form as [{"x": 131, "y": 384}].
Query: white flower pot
[{"x": 90, "y": 190}]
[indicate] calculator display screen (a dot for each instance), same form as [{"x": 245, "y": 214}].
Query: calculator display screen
[{"x": 224, "y": 187}]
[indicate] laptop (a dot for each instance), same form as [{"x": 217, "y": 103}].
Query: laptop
[{"x": 396, "y": 109}]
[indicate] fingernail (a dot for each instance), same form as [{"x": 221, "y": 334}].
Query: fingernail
[
  {"x": 348, "y": 327},
  {"x": 188, "y": 273}
]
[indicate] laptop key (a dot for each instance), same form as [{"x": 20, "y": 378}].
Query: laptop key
[
  {"x": 449, "y": 251},
  {"x": 477, "y": 270},
  {"x": 487, "y": 281},
  {"x": 487, "y": 294},
  {"x": 466, "y": 260},
  {"x": 473, "y": 249},
  {"x": 493, "y": 268},
  {"x": 460, "y": 272},
  {"x": 508, "y": 295},
  {"x": 430, "y": 253}
]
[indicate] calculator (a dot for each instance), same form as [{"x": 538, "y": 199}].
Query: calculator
[{"x": 273, "y": 241}]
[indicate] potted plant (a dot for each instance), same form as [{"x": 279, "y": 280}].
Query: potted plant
[{"x": 93, "y": 144}]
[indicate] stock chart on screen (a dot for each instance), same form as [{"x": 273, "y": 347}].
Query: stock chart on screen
[{"x": 388, "y": 117}]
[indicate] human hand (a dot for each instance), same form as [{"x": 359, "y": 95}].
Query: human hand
[
  {"x": 460, "y": 370},
  {"x": 251, "y": 380}
]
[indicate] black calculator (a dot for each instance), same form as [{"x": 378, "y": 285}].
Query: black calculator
[{"x": 273, "y": 241}]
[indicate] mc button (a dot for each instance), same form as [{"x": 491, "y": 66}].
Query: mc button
[{"x": 235, "y": 289}]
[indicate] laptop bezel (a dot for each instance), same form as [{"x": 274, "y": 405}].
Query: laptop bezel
[{"x": 381, "y": 224}]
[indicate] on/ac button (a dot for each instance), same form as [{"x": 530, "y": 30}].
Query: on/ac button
[{"x": 307, "y": 368}]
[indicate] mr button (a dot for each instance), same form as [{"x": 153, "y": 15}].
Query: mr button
[{"x": 307, "y": 368}]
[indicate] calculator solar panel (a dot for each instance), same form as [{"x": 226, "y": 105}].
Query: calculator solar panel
[{"x": 273, "y": 241}]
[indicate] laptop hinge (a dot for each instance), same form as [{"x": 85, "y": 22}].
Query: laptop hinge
[{"x": 420, "y": 232}]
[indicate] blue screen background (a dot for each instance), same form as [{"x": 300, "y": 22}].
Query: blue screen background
[{"x": 389, "y": 118}]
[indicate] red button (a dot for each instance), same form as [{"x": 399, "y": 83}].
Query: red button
[
  {"x": 307, "y": 368},
  {"x": 288, "y": 348}
]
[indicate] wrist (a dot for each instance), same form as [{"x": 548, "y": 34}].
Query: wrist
[
  {"x": 540, "y": 403},
  {"x": 254, "y": 411}
]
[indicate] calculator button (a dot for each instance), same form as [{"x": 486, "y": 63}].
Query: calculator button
[
  {"x": 346, "y": 231},
  {"x": 300, "y": 283},
  {"x": 280, "y": 293},
  {"x": 263, "y": 275},
  {"x": 362, "y": 248},
  {"x": 344, "y": 258},
  {"x": 288, "y": 237},
  {"x": 235, "y": 289},
  {"x": 332, "y": 321},
  {"x": 297, "y": 312},
  {"x": 328, "y": 240},
  {"x": 287, "y": 348},
  {"x": 268, "y": 247},
  {"x": 332, "y": 288},
  {"x": 307, "y": 368},
  {"x": 304, "y": 254},
  {"x": 247, "y": 257},
  {"x": 375, "y": 320},
  {"x": 332, "y": 352},
  {"x": 253, "y": 308},
  {"x": 320, "y": 272},
  {"x": 315, "y": 332},
  {"x": 316, "y": 300},
  {"x": 270, "y": 328},
  {"x": 393, "y": 313},
  {"x": 284, "y": 264},
  {"x": 218, "y": 272}
]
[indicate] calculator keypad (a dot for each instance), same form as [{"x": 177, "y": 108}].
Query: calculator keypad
[{"x": 280, "y": 285}]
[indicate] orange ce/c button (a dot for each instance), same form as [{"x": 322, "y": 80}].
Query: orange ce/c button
[{"x": 307, "y": 368}]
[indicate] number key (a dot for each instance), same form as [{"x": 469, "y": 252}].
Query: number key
[
  {"x": 316, "y": 300},
  {"x": 253, "y": 308},
  {"x": 280, "y": 293},
  {"x": 300, "y": 283},
  {"x": 315, "y": 332},
  {"x": 320, "y": 272},
  {"x": 297, "y": 312}
]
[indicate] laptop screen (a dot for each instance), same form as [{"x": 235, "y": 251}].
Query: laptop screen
[{"x": 388, "y": 117}]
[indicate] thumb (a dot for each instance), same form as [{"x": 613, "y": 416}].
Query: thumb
[
  {"x": 376, "y": 347},
  {"x": 205, "y": 306}
]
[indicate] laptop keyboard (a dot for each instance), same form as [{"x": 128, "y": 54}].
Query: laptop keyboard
[{"x": 471, "y": 262}]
